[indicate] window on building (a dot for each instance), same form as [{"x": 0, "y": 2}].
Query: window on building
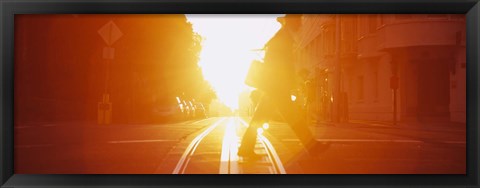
[
  {"x": 372, "y": 24},
  {"x": 329, "y": 40},
  {"x": 324, "y": 42},
  {"x": 302, "y": 58},
  {"x": 381, "y": 20},
  {"x": 348, "y": 33},
  {"x": 360, "y": 26},
  {"x": 309, "y": 53},
  {"x": 360, "y": 88},
  {"x": 350, "y": 88},
  {"x": 316, "y": 43},
  {"x": 344, "y": 31},
  {"x": 375, "y": 85},
  {"x": 319, "y": 44}
]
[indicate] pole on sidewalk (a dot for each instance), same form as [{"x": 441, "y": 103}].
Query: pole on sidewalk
[
  {"x": 394, "y": 82},
  {"x": 104, "y": 107},
  {"x": 394, "y": 107},
  {"x": 337, "y": 88}
]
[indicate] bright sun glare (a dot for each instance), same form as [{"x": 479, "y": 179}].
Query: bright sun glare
[{"x": 230, "y": 43}]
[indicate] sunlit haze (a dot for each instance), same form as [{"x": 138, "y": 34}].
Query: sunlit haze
[
  {"x": 230, "y": 43},
  {"x": 166, "y": 94}
]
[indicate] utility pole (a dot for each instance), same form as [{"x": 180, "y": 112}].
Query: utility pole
[{"x": 338, "y": 74}]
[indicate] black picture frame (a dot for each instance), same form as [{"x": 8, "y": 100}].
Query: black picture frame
[{"x": 8, "y": 8}]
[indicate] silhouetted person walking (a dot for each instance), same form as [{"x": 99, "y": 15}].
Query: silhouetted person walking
[{"x": 276, "y": 83}]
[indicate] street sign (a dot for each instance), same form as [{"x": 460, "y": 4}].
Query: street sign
[
  {"x": 394, "y": 82},
  {"x": 108, "y": 53},
  {"x": 110, "y": 33},
  {"x": 104, "y": 110}
]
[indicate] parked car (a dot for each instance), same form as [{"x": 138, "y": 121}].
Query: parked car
[
  {"x": 187, "y": 110},
  {"x": 168, "y": 109},
  {"x": 200, "y": 110},
  {"x": 193, "y": 111}
]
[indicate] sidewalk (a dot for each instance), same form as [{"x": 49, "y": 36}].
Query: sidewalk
[
  {"x": 94, "y": 124},
  {"x": 428, "y": 126}
]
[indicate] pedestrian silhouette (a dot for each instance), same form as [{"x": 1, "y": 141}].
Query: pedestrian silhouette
[{"x": 275, "y": 82}]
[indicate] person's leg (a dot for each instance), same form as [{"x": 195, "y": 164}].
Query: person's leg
[
  {"x": 294, "y": 118},
  {"x": 250, "y": 136},
  {"x": 298, "y": 124}
]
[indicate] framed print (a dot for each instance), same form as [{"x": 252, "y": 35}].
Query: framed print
[{"x": 227, "y": 93}]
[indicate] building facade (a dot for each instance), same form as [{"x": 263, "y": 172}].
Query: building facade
[{"x": 358, "y": 63}]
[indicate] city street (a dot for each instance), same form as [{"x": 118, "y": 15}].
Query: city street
[{"x": 209, "y": 146}]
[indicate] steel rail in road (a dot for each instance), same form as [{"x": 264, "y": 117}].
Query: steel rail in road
[
  {"x": 273, "y": 157},
  {"x": 187, "y": 155},
  {"x": 229, "y": 158},
  {"x": 229, "y": 161}
]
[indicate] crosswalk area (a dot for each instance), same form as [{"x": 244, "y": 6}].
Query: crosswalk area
[{"x": 214, "y": 151}]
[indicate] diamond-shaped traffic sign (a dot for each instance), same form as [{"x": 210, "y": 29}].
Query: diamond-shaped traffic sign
[{"x": 110, "y": 33}]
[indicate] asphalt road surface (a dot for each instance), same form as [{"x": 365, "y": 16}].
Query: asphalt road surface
[{"x": 210, "y": 146}]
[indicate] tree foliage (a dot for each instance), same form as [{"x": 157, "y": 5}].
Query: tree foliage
[{"x": 59, "y": 59}]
